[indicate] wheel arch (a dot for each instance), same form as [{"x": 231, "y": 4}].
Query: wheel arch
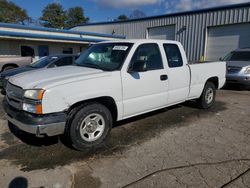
[
  {"x": 214, "y": 80},
  {"x": 107, "y": 101},
  {"x": 9, "y": 65}
]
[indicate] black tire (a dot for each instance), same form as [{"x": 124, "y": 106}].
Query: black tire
[
  {"x": 77, "y": 116},
  {"x": 9, "y": 67},
  {"x": 203, "y": 101}
]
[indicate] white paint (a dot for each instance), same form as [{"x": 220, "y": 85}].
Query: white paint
[{"x": 134, "y": 94}]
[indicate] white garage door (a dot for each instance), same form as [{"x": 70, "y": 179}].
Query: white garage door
[
  {"x": 224, "y": 39},
  {"x": 165, "y": 32}
]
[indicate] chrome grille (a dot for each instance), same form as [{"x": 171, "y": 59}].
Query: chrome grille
[
  {"x": 14, "y": 95},
  {"x": 233, "y": 69}
]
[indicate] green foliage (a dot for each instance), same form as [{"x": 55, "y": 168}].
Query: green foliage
[
  {"x": 54, "y": 16},
  {"x": 122, "y": 17},
  {"x": 75, "y": 16},
  {"x": 11, "y": 13}
]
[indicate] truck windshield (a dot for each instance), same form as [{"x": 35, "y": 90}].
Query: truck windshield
[
  {"x": 43, "y": 62},
  {"x": 106, "y": 56},
  {"x": 238, "y": 56}
]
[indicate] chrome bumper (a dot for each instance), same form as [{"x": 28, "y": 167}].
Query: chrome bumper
[
  {"x": 52, "y": 129},
  {"x": 39, "y": 125}
]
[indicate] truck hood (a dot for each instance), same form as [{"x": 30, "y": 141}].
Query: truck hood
[
  {"x": 238, "y": 63},
  {"x": 46, "y": 78}
]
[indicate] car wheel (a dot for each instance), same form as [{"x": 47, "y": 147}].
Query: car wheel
[
  {"x": 90, "y": 126},
  {"x": 207, "y": 98}
]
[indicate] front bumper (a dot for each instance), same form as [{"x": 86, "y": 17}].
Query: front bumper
[
  {"x": 40, "y": 125},
  {"x": 240, "y": 79}
]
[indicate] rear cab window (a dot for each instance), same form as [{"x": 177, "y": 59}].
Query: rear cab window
[{"x": 173, "y": 55}]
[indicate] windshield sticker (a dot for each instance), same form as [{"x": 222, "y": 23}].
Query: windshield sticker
[{"x": 123, "y": 48}]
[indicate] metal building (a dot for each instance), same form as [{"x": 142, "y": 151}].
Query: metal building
[
  {"x": 20, "y": 40},
  {"x": 208, "y": 33}
]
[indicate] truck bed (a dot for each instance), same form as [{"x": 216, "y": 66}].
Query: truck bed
[{"x": 201, "y": 71}]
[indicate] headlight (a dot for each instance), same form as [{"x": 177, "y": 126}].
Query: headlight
[
  {"x": 33, "y": 108},
  {"x": 247, "y": 71},
  {"x": 29, "y": 107},
  {"x": 35, "y": 94},
  {"x": 33, "y": 101}
]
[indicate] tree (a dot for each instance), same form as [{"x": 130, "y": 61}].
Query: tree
[
  {"x": 11, "y": 13},
  {"x": 54, "y": 16},
  {"x": 122, "y": 17},
  {"x": 75, "y": 16},
  {"x": 137, "y": 14}
]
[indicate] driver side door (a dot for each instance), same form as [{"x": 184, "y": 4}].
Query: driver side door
[{"x": 147, "y": 90}]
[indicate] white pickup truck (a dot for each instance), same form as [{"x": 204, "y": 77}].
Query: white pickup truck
[{"x": 111, "y": 81}]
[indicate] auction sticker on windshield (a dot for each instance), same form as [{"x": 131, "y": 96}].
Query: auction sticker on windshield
[{"x": 123, "y": 48}]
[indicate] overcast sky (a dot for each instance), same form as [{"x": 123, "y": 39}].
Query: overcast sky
[{"x": 104, "y": 10}]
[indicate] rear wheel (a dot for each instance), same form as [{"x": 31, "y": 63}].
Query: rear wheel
[
  {"x": 90, "y": 126},
  {"x": 207, "y": 98}
]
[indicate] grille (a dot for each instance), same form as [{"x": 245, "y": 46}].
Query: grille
[
  {"x": 232, "y": 69},
  {"x": 14, "y": 95}
]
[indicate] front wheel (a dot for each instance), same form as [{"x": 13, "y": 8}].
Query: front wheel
[
  {"x": 89, "y": 126},
  {"x": 207, "y": 98}
]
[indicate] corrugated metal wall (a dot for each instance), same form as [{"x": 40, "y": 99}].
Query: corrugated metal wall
[{"x": 190, "y": 29}]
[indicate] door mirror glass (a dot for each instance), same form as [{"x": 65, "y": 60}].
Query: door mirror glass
[{"x": 138, "y": 66}]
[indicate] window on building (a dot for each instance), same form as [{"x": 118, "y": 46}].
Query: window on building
[
  {"x": 27, "y": 51},
  {"x": 67, "y": 51},
  {"x": 173, "y": 55},
  {"x": 149, "y": 53}
]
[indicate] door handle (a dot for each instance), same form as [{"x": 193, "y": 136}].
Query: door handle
[{"x": 164, "y": 77}]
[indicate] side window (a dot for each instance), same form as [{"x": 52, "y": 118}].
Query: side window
[
  {"x": 64, "y": 61},
  {"x": 149, "y": 53},
  {"x": 173, "y": 55}
]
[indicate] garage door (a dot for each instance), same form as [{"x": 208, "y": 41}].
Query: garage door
[
  {"x": 165, "y": 32},
  {"x": 223, "y": 39}
]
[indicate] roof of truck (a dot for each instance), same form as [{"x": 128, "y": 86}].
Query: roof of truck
[{"x": 140, "y": 41}]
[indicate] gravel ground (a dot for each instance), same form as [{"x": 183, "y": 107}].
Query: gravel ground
[{"x": 181, "y": 146}]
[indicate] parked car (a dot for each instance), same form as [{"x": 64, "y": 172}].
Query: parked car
[
  {"x": 238, "y": 67},
  {"x": 111, "y": 82},
  {"x": 43, "y": 63},
  {"x": 11, "y": 62}
]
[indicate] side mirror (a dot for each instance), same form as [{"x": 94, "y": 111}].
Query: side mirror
[
  {"x": 138, "y": 66},
  {"x": 221, "y": 59}
]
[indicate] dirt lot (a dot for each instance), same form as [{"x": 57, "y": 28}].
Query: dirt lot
[{"x": 180, "y": 146}]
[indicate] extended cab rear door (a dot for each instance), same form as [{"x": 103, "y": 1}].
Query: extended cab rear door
[
  {"x": 147, "y": 90},
  {"x": 178, "y": 73}
]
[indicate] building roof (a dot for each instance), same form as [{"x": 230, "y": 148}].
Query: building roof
[
  {"x": 36, "y": 33},
  {"x": 240, "y": 5}
]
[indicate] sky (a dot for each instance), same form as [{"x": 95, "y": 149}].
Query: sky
[{"x": 106, "y": 10}]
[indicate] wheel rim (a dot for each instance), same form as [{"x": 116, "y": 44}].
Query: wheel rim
[
  {"x": 209, "y": 95},
  {"x": 92, "y": 127}
]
